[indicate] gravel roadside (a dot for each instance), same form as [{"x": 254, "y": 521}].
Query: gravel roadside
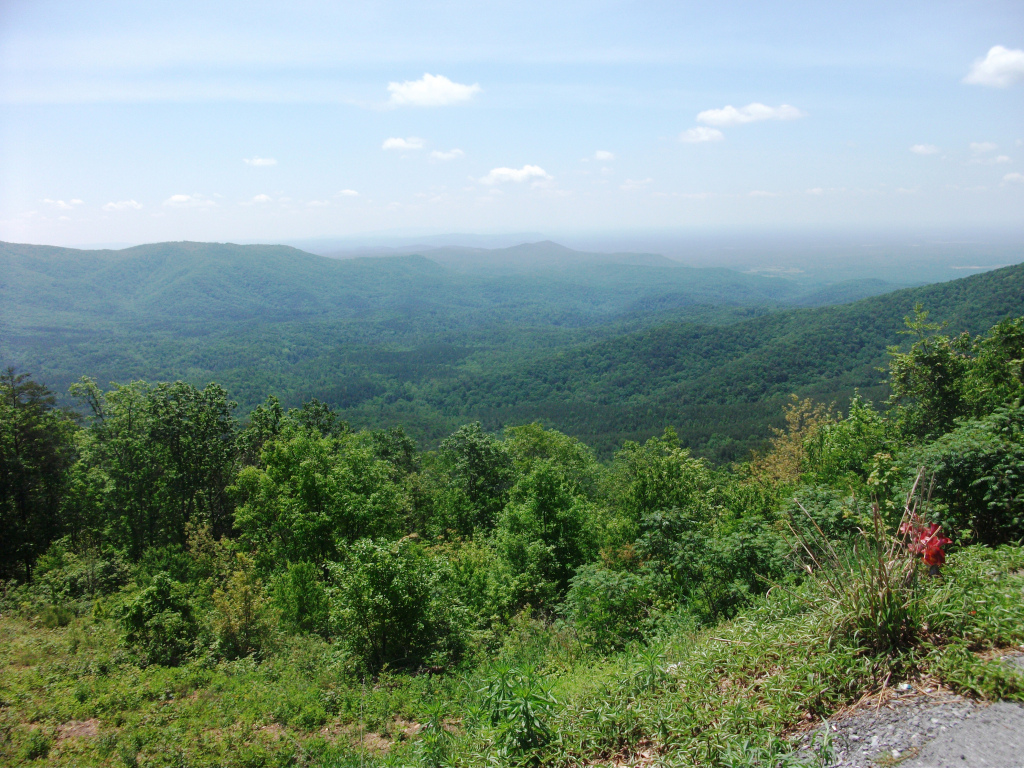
[{"x": 924, "y": 727}]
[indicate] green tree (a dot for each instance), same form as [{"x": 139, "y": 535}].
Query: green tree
[
  {"x": 928, "y": 380},
  {"x": 313, "y": 494},
  {"x": 657, "y": 475},
  {"x": 545, "y": 532},
  {"x": 477, "y": 475},
  {"x": 381, "y": 601},
  {"x": 36, "y": 451},
  {"x": 996, "y": 377},
  {"x": 153, "y": 460},
  {"x": 302, "y": 599}
]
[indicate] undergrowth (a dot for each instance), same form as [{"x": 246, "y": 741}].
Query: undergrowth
[{"x": 723, "y": 696}]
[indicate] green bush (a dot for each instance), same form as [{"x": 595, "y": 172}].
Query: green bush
[
  {"x": 611, "y": 607},
  {"x": 978, "y": 471},
  {"x": 381, "y": 602},
  {"x": 158, "y": 622},
  {"x": 242, "y": 618},
  {"x": 53, "y": 616},
  {"x": 302, "y": 599}
]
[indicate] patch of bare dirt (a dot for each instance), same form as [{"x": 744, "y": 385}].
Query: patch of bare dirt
[{"x": 79, "y": 729}]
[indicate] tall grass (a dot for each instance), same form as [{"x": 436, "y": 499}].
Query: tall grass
[{"x": 872, "y": 584}]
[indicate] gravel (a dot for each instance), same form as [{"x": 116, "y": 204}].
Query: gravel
[{"x": 898, "y": 730}]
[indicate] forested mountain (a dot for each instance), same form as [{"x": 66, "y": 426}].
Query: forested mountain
[
  {"x": 719, "y": 386},
  {"x": 603, "y": 346}
]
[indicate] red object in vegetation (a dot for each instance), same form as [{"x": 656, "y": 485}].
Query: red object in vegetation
[{"x": 926, "y": 540}]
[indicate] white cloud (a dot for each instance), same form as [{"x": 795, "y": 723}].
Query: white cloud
[
  {"x": 635, "y": 184},
  {"x": 259, "y": 161},
  {"x": 997, "y": 160},
  {"x": 123, "y": 205},
  {"x": 924, "y": 149},
  {"x": 1016, "y": 177},
  {"x": 700, "y": 134},
  {"x": 981, "y": 147},
  {"x": 604, "y": 155},
  {"x": 403, "y": 144},
  {"x": 261, "y": 199},
  {"x": 189, "y": 201},
  {"x": 751, "y": 113},
  {"x": 60, "y": 204},
  {"x": 347, "y": 193},
  {"x": 1001, "y": 68},
  {"x": 430, "y": 91},
  {"x": 451, "y": 154},
  {"x": 816, "y": 191},
  {"x": 498, "y": 175}
]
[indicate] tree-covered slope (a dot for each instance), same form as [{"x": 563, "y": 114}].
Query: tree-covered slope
[
  {"x": 604, "y": 348},
  {"x": 718, "y": 383}
]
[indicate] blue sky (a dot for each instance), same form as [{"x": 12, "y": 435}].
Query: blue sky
[{"x": 136, "y": 122}]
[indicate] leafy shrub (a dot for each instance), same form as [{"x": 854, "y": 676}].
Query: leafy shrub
[
  {"x": 381, "y": 602},
  {"x": 242, "y": 622},
  {"x": 159, "y": 623},
  {"x": 302, "y": 599},
  {"x": 841, "y": 452},
  {"x": 66, "y": 575},
  {"x": 979, "y": 476},
  {"x": 53, "y": 616},
  {"x": 612, "y": 607}
]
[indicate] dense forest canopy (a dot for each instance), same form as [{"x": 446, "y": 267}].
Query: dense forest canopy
[{"x": 605, "y": 348}]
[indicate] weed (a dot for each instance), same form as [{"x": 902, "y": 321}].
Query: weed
[{"x": 36, "y": 745}]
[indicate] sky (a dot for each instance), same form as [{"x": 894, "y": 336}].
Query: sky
[{"x": 129, "y": 122}]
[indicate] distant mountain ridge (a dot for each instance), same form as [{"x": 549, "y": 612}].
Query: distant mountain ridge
[
  {"x": 606, "y": 347},
  {"x": 537, "y": 257},
  {"x": 186, "y": 282}
]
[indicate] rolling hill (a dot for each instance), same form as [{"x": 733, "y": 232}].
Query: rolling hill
[{"x": 605, "y": 347}]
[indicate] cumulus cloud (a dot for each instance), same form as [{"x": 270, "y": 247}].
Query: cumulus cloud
[
  {"x": 981, "y": 147},
  {"x": 604, "y": 155},
  {"x": 430, "y": 91},
  {"x": 261, "y": 199},
  {"x": 1014, "y": 177},
  {"x": 189, "y": 201},
  {"x": 451, "y": 154},
  {"x": 700, "y": 134},
  {"x": 816, "y": 191},
  {"x": 752, "y": 113},
  {"x": 347, "y": 193},
  {"x": 259, "y": 161},
  {"x": 403, "y": 144},
  {"x": 1001, "y": 68},
  {"x": 924, "y": 149},
  {"x": 499, "y": 175},
  {"x": 123, "y": 205}
]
